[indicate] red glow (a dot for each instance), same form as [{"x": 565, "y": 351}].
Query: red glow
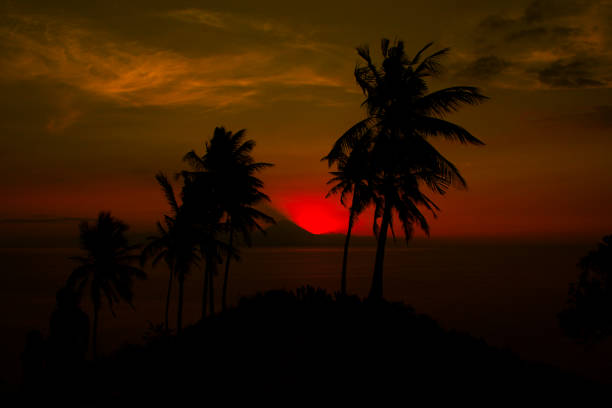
[{"x": 316, "y": 215}]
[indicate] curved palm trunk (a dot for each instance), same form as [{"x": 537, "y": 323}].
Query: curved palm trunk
[
  {"x": 179, "y": 316},
  {"x": 211, "y": 286},
  {"x": 376, "y": 290},
  {"x": 227, "y": 266},
  {"x": 168, "y": 299},
  {"x": 346, "y": 247},
  {"x": 205, "y": 290},
  {"x": 94, "y": 337}
]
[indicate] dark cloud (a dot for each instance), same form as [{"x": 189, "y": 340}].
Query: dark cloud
[
  {"x": 596, "y": 118},
  {"x": 541, "y": 23},
  {"x": 573, "y": 73},
  {"x": 485, "y": 67},
  {"x": 540, "y": 10},
  {"x": 546, "y": 41},
  {"x": 599, "y": 117},
  {"x": 552, "y": 34}
]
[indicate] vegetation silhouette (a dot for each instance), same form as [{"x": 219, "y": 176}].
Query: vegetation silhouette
[
  {"x": 53, "y": 367},
  {"x": 401, "y": 116},
  {"x": 177, "y": 244},
  {"x": 588, "y": 315},
  {"x": 353, "y": 176},
  {"x": 230, "y": 166},
  {"x": 221, "y": 192},
  {"x": 203, "y": 211},
  {"x": 278, "y": 346},
  {"x": 107, "y": 268},
  {"x": 68, "y": 330}
]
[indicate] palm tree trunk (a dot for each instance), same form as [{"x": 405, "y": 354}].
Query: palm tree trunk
[
  {"x": 205, "y": 289},
  {"x": 376, "y": 290},
  {"x": 346, "y": 247},
  {"x": 179, "y": 317},
  {"x": 227, "y": 265},
  {"x": 168, "y": 298},
  {"x": 211, "y": 286},
  {"x": 94, "y": 337}
]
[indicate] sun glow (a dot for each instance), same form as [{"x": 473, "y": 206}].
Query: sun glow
[{"x": 318, "y": 216}]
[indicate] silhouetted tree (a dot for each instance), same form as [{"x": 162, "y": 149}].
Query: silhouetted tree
[
  {"x": 588, "y": 316},
  {"x": 401, "y": 116},
  {"x": 68, "y": 331},
  {"x": 175, "y": 244},
  {"x": 353, "y": 176},
  {"x": 107, "y": 267},
  {"x": 230, "y": 172},
  {"x": 203, "y": 211}
]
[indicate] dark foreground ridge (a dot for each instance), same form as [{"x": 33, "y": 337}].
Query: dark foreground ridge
[{"x": 285, "y": 346}]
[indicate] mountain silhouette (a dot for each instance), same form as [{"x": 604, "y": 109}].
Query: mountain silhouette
[{"x": 287, "y": 233}]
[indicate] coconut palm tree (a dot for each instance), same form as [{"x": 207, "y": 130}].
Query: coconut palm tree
[
  {"x": 353, "y": 177},
  {"x": 231, "y": 169},
  {"x": 203, "y": 211},
  {"x": 401, "y": 117},
  {"x": 107, "y": 267},
  {"x": 176, "y": 245},
  {"x": 243, "y": 218}
]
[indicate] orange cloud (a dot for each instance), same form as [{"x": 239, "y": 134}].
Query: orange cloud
[{"x": 135, "y": 75}]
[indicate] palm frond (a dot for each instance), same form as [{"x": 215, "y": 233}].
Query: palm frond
[{"x": 431, "y": 126}]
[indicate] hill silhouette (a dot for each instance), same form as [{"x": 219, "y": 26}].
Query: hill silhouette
[{"x": 278, "y": 346}]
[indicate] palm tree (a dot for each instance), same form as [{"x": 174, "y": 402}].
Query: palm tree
[
  {"x": 231, "y": 169},
  {"x": 107, "y": 267},
  {"x": 203, "y": 211},
  {"x": 352, "y": 177},
  {"x": 243, "y": 218},
  {"x": 401, "y": 116},
  {"x": 175, "y": 244}
]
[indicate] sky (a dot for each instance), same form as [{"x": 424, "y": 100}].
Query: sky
[{"x": 96, "y": 97}]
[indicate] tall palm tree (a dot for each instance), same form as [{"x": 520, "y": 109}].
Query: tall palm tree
[
  {"x": 242, "y": 218},
  {"x": 107, "y": 267},
  {"x": 401, "y": 116},
  {"x": 176, "y": 245},
  {"x": 353, "y": 176},
  {"x": 203, "y": 211},
  {"x": 231, "y": 168}
]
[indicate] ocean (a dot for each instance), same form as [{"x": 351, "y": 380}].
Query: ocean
[{"x": 508, "y": 294}]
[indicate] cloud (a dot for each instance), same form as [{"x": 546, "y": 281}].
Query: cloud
[
  {"x": 61, "y": 122},
  {"x": 134, "y": 75},
  {"x": 209, "y": 18},
  {"x": 233, "y": 22},
  {"x": 485, "y": 67},
  {"x": 547, "y": 44},
  {"x": 571, "y": 73},
  {"x": 592, "y": 118}
]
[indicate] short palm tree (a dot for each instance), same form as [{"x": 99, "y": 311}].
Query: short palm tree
[
  {"x": 107, "y": 267},
  {"x": 401, "y": 117},
  {"x": 176, "y": 245},
  {"x": 231, "y": 169},
  {"x": 353, "y": 177}
]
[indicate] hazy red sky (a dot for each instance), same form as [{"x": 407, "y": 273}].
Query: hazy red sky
[{"x": 96, "y": 97}]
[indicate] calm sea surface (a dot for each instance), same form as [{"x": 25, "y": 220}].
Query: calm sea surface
[{"x": 507, "y": 294}]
